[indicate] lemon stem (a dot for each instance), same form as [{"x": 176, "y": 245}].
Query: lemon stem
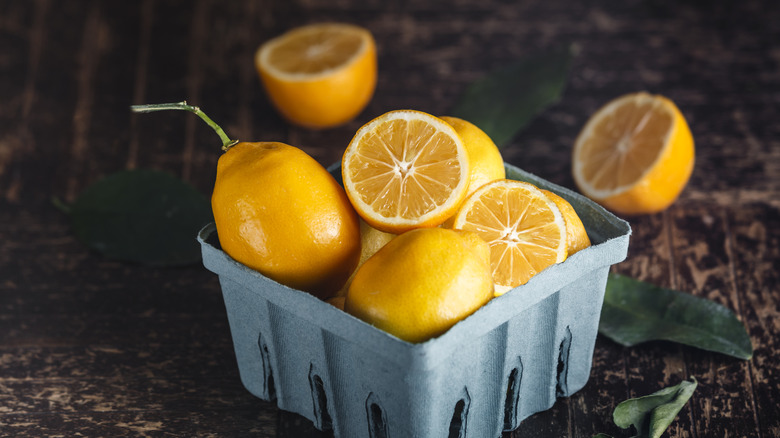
[{"x": 227, "y": 143}]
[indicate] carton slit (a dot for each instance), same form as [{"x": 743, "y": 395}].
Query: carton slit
[
  {"x": 562, "y": 387},
  {"x": 459, "y": 416},
  {"x": 377, "y": 424},
  {"x": 320, "y": 401},
  {"x": 269, "y": 390},
  {"x": 512, "y": 401}
]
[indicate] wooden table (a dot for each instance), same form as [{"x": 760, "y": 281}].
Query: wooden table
[{"x": 105, "y": 348}]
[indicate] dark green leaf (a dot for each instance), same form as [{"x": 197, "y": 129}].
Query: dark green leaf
[
  {"x": 653, "y": 413},
  {"x": 504, "y": 101},
  {"x": 635, "y": 311},
  {"x": 602, "y": 435},
  {"x": 142, "y": 216}
]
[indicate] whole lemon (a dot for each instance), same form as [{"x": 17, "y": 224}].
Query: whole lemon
[
  {"x": 422, "y": 282},
  {"x": 371, "y": 241},
  {"x": 278, "y": 211},
  {"x": 486, "y": 162}
]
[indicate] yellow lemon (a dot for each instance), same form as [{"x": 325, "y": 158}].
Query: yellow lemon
[
  {"x": 486, "y": 162},
  {"x": 277, "y": 210},
  {"x": 422, "y": 282},
  {"x": 576, "y": 237},
  {"x": 524, "y": 229},
  {"x": 320, "y": 75},
  {"x": 634, "y": 155},
  {"x": 405, "y": 169},
  {"x": 371, "y": 241}
]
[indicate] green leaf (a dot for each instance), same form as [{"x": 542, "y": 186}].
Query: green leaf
[
  {"x": 653, "y": 413},
  {"x": 635, "y": 311},
  {"x": 505, "y": 100},
  {"x": 141, "y": 216},
  {"x": 602, "y": 435}
]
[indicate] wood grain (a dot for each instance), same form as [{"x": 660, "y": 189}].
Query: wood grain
[{"x": 102, "y": 348}]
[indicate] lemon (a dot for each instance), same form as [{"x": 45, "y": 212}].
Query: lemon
[
  {"x": 634, "y": 155},
  {"x": 277, "y": 210},
  {"x": 486, "y": 162},
  {"x": 525, "y": 230},
  {"x": 422, "y": 282},
  {"x": 405, "y": 169},
  {"x": 336, "y": 301},
  {"x": 576, "y": 236},
  {"x": 319, "y": 75},
  {"x": 371, "y": 241}
]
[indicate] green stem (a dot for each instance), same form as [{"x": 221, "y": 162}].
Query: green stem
[{"x": 227, "y": 143}]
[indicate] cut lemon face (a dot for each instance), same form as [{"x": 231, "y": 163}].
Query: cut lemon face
[
  {"x": 634, "y": 155},
  {"x": 404, "y": 170},
  {"x": 525, "y": 230},
  {"x": 320, "y": 75}
]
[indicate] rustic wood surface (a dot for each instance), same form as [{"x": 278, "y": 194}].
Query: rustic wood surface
[{"x": 93, "y": 347}]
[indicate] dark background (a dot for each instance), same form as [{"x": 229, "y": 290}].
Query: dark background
[{"x": 104, "y": 348}]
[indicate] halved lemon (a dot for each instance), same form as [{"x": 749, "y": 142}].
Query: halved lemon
[
  {"x": 319, "y": 75},
  {"x": 405, "y": 169},
  {"x": 634, "y": 155},
  {"x": 524, "y": 228}
]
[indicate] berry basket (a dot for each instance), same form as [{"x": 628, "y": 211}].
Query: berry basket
[{"x": 510, "y": 359}]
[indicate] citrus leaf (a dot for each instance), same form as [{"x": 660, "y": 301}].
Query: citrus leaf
[
  {"x": 505, "y": 100},
  {"x": 652, "y": 414},
  {"x": 143, "y": 216},
  {"x": 635, "y": 311}
]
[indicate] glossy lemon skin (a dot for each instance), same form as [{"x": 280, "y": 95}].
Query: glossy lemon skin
[
  {"x": 422, "y": 282},
  {"x": 278, "y": 211},
  {"x": 486, "y": 162}
]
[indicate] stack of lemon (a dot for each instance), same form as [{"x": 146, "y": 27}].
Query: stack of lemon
[
  {"x": 464, "y": 233},
  {"x": 427, "y": 229}
]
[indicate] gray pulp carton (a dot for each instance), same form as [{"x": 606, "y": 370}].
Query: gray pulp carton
[{"x": 510, "y": 359}]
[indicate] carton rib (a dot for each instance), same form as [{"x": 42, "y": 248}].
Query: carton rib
[{"x": 512, "y": 358}]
